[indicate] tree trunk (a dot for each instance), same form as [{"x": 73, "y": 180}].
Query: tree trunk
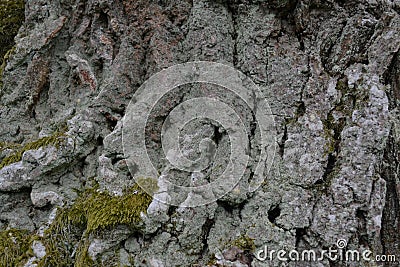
[{"x": 307, "y": 89}]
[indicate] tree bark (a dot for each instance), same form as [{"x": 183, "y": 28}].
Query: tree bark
[{"x": 329, "y": 71}]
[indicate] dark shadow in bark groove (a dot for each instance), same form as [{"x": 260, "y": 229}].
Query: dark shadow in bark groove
[{"x": 390, "y": 232}]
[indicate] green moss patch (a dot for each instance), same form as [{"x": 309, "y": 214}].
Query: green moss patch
[
  {"x": 14, "y": 247},
  {"x": 53, "y": 140},
  {"x": 92, "y": 211},
  {"x": 5, "y": 145},
  {"x": 67, "y": 238},
  {"x": 245, "y": 243},
  {"x": 11, "y": 18},
  {"x": 98, "y": 210},
  {"x": 59, "y": 241}
]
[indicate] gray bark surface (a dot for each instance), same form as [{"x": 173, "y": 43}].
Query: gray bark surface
[{"x": 330, "y": 71}]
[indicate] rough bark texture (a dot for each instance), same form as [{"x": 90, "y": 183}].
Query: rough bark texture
[{"x": 330, "y": 71}]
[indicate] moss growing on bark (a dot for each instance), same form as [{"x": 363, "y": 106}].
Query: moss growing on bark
[
  {"x": 5, "y": 145},
  {"x": 82, "y": 256},
  {"x": 99, "y": 210},
  {"x": 52, "y": 140},
  {"x": 59, "y": 240},
  {"x": 11, "y": 18},
  {"x": 14, "y": 247},
  {"x": 92, "y": 211},
  {"x": 244, "y": 242}
]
